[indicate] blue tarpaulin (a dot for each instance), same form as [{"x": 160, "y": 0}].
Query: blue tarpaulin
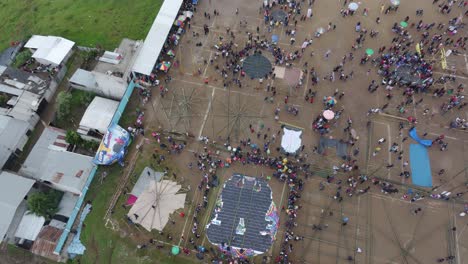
[
  {"x": 414, "y": 135},
  {"x": 76, "y": 247},
  {"x": 275, "y": 39},
  {"x": 420, "y": 165}
]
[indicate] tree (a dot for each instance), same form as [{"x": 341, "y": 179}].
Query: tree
[
  {"x": 21, "y": 58},
  {"x": 44, "y": 203},
  {"x": 63, "y": 105},
  {"x": 72, "y": 137}
]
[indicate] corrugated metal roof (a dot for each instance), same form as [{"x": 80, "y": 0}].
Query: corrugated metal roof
[
  {"x": 84, "y": 78},
  {"x": 46, "y": 242},
  {"x": 103, "y": 84},
  {"x": 67, "y": 171},
  {"x": 50, "y": 48},
  {"x": 13, "y": 189},
  {"x": 12, "y": 136},
  {"x": 67, "y": 204},
  {"x": 156, "y": 37},
  {"x": 30, "y": 226},
  {"x": 99, "y": 114}
]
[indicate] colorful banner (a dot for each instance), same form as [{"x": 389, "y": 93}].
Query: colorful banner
[
  {"x": 272, "y": 217},
  {"x": 113, "y": 146}
]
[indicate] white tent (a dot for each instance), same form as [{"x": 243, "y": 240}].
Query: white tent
[
  {"x": 291, "y": 140},
  {"x": 156, "y": 203}
]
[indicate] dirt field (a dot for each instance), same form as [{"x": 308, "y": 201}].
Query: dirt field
[{"x": 383, "y": 227}]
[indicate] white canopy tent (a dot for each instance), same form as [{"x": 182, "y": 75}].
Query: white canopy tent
[
  {"x": 154, "y": 42},
  {"x": 291, "y": 140},
  {"x": 156, "y": 203}
]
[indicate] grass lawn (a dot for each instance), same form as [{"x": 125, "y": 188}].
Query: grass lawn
[
  {"x": 15, "y": 254},
  {"x": 87, "y": 22},
  {"x": 104, "y": 245}
]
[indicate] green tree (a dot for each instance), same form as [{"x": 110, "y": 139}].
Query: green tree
[
  {"x": 63, "y": 105},
  {"x": 44, "y": 203},
  {"x": 21, "y": 58},
  {"x": 72, "y": 137}
]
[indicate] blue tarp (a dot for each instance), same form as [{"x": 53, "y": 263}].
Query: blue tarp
[
  {"x": 414, "y": 135},
  {"x": 76, "y": 247},
  {"x": 113, "y": 146},
  {"x": 194, "y": 2},
  {"x": 71, "y": 220},
  {"x": 420, "y": 165},
  {"x": 274, "y": 38}
]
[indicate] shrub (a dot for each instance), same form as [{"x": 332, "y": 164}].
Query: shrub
[{"x": 44, "y": 203}]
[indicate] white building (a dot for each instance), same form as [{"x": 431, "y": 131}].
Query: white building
[
  {"x": 97, "y": 117},
  {"x": 50, "y": 50}
]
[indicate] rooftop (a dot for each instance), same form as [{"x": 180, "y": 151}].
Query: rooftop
[
  {"x": 99, "y": 114},
  {"x": 154, "y": 42},
  {"x": 128, "y": 49},
  {"x": 50, "y": 48},
  {"x": 103, "y": 84},
  {"x": 49, "y": 161},
  {"x": 23, "y": 80},
  {"x": 12, "y": 192},
  {"x": 46, "y": 242},
  {"x": 12, "y": 136}
]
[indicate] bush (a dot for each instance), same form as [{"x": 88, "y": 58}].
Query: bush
[
  {"x": 44, "y": 203},
  {"x": 72, "y": 137},
  {"x": 21, "y": 58},
  {"x": 63, "y": 105},
  {"x": 86, "y": 98}
]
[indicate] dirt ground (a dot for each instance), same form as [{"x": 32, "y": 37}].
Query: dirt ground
[{"x": 383, "y": 227}]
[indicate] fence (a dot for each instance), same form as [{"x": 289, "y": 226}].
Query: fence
[
  {"x": 123, "y": 103},
  {"x": 115, "y": 120}
]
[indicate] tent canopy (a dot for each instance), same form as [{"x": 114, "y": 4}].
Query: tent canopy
[
  {"x": 156, "y": 203},
  {"x": 291, "y": 140}
]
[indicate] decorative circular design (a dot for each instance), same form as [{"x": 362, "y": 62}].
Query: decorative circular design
[
  {"x": 257, "y": 66},
  {"x": 279, "y": 15}
]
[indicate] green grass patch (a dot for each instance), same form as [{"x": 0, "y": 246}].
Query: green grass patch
[
  {"x": 104, "y": 245},
  {"x": 91, "y": 23},
  {"x": 18, "y": 255}
]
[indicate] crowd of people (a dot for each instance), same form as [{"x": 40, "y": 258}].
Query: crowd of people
[{"x": 400, "y": 67}]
